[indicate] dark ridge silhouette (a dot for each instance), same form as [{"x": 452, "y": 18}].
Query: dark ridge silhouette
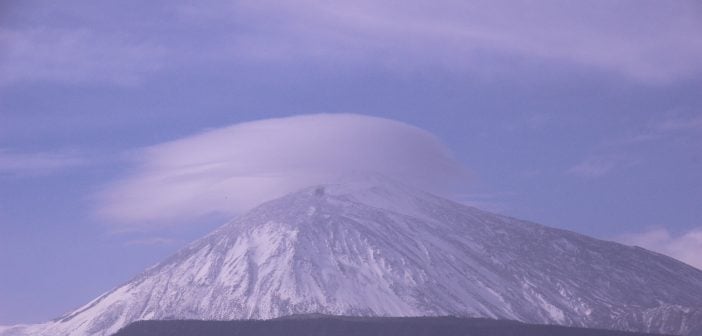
[{"x": 320, "y": 325}]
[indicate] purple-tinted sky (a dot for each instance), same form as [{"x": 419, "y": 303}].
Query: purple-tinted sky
[{"x": 121, "y": 123}]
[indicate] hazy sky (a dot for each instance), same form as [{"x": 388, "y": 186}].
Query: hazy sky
[{"x": 129, "y": 128}]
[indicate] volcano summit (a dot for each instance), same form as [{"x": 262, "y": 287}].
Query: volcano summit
[{"x": 380, "y": 248}]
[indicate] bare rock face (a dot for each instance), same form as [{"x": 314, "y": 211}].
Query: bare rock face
[{"x": 378, "y": 248}]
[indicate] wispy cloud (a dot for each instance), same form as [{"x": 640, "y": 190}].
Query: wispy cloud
[
  {"x": 153, "y": 241},
  {"x": 39, "y": 163},
  {"x": 227, "y": 170},
  {"x": 649, "y": 41},
  {"x": 592, "y": 167},
  {"x": 686, "y": 247},
  {"x": 598, "y": 166},
  {"x": 669, "y": 125},
  {"x": 75, "y": 56},
  {"x": 677, "y": 123},
  {"x": 615, "y": 154}
]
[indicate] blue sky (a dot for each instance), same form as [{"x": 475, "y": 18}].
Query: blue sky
[{"x": 580, "y": 115}]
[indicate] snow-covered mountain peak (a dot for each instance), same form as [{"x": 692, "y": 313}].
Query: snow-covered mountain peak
[
  {"x": 375, "y": 190},
  {"x": 379, "y": 248}
]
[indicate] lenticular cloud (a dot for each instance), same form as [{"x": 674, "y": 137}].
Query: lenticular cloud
[{"x": 230, "y": 169}]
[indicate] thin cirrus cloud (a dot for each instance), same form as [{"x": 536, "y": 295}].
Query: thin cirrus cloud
[
  {"x": 670, "y": 125},
  {"x": 228, "y": 170},
  {"x": 677, "y": 124},
  {"x": 75, "y": 56},
  {"x": 18, "y": 164},
  {"x": 601, "y": 165},
  {"x": 686, "y": 247},
  {"x": 645, "y": 41},
  {"x": 614, "y": 155}
]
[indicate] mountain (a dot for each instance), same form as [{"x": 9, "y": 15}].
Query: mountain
[
  {"x": 354, "y": 326},
  {"x": 380, "y": 248}
]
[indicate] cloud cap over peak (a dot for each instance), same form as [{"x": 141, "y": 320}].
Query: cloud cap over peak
[{"x": 231, "y": 169}]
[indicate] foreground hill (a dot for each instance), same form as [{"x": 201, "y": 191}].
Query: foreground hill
[
  {"x": 378, "y": 248},
  {"x": 344, "y": 326}
]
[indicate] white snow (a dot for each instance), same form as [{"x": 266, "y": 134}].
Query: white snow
[{"x": 311, "y": 211}]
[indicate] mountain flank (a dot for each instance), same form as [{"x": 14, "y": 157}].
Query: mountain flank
[{"x": 375, "y": 247}]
